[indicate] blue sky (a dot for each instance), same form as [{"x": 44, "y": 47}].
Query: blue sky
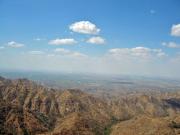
[{"x": 100, "y": 36}]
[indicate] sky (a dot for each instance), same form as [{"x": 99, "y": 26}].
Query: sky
[{"x": 130, "y": 37}]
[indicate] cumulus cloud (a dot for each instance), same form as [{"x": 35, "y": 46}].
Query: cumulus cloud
[
  {"x": 171, "y": 45},
  {"x": 142, "y": 52},
  {"x": 175, "y": 30},
  {"x": 63, "y": 41},
  {"x": 67, "y": 52},
  {"x": 84, "y": 27},
  {"x": 14, "y": 44},
  {"x": 96, "y": 40},
  {"x": 36, "y": 52}
]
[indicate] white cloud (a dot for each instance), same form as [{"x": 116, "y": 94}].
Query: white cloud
[
  {"x": 84, "y": 27},
  {"x": 96, "y": 40},
  {"x": 67, "y": 52},
  {"x": 39, "y": 39},
  {"x": 171, "y": 45},
  {"x": 175, "y": 30},
  {"x": 115, "y": 61},
  {"x": 63, "y": 41},
  {"x": 141, "y": 52},
  {"x": 36, "y": 52},
  {"x": 62, "y": 51},
  {"x": 78, "y": 54},
  {"x": 14, "y": 44}
]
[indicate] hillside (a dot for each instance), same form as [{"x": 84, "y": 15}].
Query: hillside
[{"x": 29, "y": 108}]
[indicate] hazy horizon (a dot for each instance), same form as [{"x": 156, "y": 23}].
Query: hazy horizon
[{"x": 99, "y": 37}]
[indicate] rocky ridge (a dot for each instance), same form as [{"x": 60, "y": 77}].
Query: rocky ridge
[{"x": 29, "y": 108}]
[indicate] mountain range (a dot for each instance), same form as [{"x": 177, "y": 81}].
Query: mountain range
[{"x": 28, "y": 108}]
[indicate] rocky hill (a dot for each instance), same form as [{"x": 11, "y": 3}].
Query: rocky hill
[{"x": 27, "y": 108}]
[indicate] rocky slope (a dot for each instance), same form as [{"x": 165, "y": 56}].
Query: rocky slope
[{"x": 29, "y": 108}]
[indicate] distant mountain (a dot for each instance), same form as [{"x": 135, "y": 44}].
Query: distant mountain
[{"x": 27, "y": 108}]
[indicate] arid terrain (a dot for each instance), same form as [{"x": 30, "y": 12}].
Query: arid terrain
[{"x": 27, "y": 108}]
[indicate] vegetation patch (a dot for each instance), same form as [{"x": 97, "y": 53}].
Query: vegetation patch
[
  {"x": 107, "y": 129},
  {"x": 174, "y": 124}
]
